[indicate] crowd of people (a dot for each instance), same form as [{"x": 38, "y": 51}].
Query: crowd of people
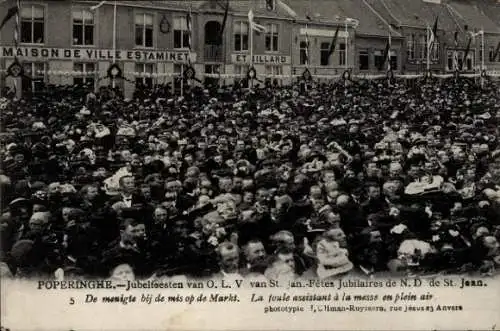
[{"x": 354, "y": 178}]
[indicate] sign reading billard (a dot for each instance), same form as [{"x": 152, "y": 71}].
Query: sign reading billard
[
  {"x": 261, "y": 59},
  {"x": 97, "y": 54}
]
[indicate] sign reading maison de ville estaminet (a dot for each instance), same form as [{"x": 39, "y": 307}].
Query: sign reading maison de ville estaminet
[{"x": 93, "y": 54}]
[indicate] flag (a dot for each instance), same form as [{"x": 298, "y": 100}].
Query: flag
[
  {"x": 224, "y": 21},
  {"x": 497, "y": 51},
  {"x": 386, "y": 53},
  {"x": 467, "y": 50},
  {"x": 334, "y": 42},
  {"x": 10, "y": 13},
  {"x": 188, "y": 25},
  {"x": 98, "y": 5},
  {"x": 254, "y": 26},
  {"x": 455, "y": 53},
  {"x": 307, "y": 47},
  {"x": 434, "y": 31},
  {"x": 286, "y": 8}
]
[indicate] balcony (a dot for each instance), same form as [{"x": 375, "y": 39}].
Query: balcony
[{"x": 213, "y": 53}]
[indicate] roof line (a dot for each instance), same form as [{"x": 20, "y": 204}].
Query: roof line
[
  {"x": 379, "y": 16},
  {"x": 454, "y": 15},
  {"x": 137, "y": 5},
  {"x": 390, "y": 12}
]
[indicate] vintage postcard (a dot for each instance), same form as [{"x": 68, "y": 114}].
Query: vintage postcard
[{"x": 250, "y": 165}]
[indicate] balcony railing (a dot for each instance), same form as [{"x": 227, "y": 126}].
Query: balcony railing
[{"x": 213, "y": 53}]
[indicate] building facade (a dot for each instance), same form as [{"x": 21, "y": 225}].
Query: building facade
[{"x": 153, "y": 42}]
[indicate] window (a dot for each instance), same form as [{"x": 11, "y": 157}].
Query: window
[
  {"x": 435, "y": 51},
  {"x": 181, "y": 33},
  {"x": 83, "y": 27},
  {"x": 410, "y": 47},
  {"x": 342, "y": 54},
  {"x": 364, "y": 60},
  {"x": 241, "y": 73},
  {"x": 272, "y": 38},
  {"x": 145, "y": 77},
  {"x": 32, "y": 24},
  {"x": 85, "y": 73},
  {"x": 423, "y": 47},
  {"x": 144, "y": 30},
  {"x": 460, "y": 60},
  {"x": 469, "y": 62},
  {"x": 449, "y": 61},
  {"x": 379, "y": 59},
  {"x": 212, "y": 69},
  {"x": 240, "y": 36},
  {"x": 274, "y": 71},
  {"x": 36, "y": 71},
  {"x": 324, "y": 54},
  {"x": 480, "y": 52},
  {"x": 393, "y": 58},
  {"x": 179, "y": 83},
  {"x": 492, "y": 52},
  {"x": 303, "y": 52}
]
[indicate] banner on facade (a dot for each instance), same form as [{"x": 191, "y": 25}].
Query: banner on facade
[
  {"x": 92, "y": 54},
  {"x": 261, "y": 59}
]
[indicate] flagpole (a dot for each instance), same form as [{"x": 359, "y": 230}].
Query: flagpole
[
  {"x": 482, "y": 57},
  {"x": 114, "y": 41},
  {"x": 16, "y": 41},
  {"x": 389, "y": 68},
  {"x": 251, "y": 48},
  {"x": 428, "y": 50},
  {"x": 346, "y": 41}
]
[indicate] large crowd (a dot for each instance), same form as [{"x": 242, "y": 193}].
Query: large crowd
[{"x": 363, "y": 179}]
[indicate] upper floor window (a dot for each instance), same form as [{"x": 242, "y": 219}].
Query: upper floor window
[
  {"x": 364, "y": 60},
  {"x": 423, "y": 47},
  {"x": 83, "y": 27},
  {"x": 303, "y": 53},
  {"x": 272, "y": 38},
  {"x": 410, "y": 47},
  {"x": 393, "y": 60},
  {"x": 241, "y": 36},
  {"x": 32, "y": 24},
  {"x": 379, "y": 59},
  {"x": 342, "y": 54},
  {"x": 435, "y": 51},
  {"x": 181, "y": 33},
  {"x": 325, "y": 54},
  {"x": 144, "y": 30}
]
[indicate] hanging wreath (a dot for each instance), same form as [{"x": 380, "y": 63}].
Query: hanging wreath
[
  {"x": 15, "y": 69},
  {"x": 114, "y": 71},
  {"x": 189, "y": 73},
  {"x": 252, "y": 73},
  {"x": 306, "y": 75},
  {"x": 346, "y": 75}
]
